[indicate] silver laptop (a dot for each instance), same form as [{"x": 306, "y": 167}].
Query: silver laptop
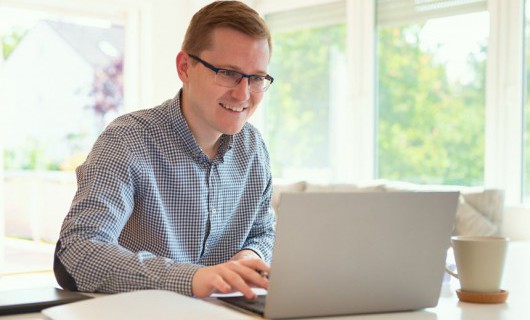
[{"x": 353, "y": 253}]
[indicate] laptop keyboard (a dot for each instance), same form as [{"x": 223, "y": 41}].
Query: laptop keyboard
[{"x": 256, "y": 306}]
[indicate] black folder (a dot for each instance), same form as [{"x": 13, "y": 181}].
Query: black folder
[{"x": 35, "y": 299}]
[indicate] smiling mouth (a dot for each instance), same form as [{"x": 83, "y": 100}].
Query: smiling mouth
[{"x": 232, "y": 108}]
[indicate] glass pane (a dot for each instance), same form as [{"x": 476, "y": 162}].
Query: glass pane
[
  {"x": 306, "y": 64},
  {"x": 431, "y": 100},
  {"x": 61, "y": 80}
]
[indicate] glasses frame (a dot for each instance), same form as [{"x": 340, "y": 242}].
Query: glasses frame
[{"x": 248, "y": 76}]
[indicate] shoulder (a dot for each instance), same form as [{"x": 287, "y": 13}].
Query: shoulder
[
  {"x": 137, "y": 121},
  {"x": 250, "y": 142},
  {"x": 142, "y": 127},
  {"x": 133, "y": 132},
  {"x": 249, "y": 136}
]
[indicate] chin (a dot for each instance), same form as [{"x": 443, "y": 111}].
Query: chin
[{"x": 233, "y": 130}]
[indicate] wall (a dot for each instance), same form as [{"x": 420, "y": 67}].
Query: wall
[
  {"x": 163, "y": 32},
  {"x": 516, "y": 222}
]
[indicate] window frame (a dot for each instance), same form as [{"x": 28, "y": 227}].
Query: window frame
[{"x": 504, "y": 100}]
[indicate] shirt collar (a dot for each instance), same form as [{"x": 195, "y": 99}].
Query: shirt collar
[{"x": 184, "y": 132}]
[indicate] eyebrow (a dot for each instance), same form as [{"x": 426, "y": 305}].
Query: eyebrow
[
  {"x": 228, "y": 67},
  {"x": 235, "y": 68}
]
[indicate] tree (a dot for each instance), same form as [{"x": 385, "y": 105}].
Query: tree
[
  {"x": 430, "y": 130},
  {"x": 297, "y": 115},
  {"x": 11, "y": 40},
  {"x": 107, "y": 90}
]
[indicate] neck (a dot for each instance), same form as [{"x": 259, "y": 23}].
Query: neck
[
  {"x": 211, "y": 149},
  {"x": 208, "y": 140}
]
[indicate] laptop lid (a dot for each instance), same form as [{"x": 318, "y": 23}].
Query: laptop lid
[{"x": 351, "y": 253}]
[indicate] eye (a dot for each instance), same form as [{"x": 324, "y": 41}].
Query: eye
[
  {"x": 229, "y": 74},
  {"x": 257, "y": 79}
]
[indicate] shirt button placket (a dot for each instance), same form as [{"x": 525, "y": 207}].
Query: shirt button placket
[{"x": 212, "y": 189}]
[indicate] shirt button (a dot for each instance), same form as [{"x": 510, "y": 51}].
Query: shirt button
[{"x": 214, "y": 211}]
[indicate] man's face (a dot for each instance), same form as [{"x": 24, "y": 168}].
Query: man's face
[{"x": 211, "y": 109}]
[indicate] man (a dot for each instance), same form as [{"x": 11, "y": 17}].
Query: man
[{"x": 177, "y": 197}]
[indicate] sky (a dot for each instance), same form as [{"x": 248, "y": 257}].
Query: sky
[{"x": 453, "y": 38}]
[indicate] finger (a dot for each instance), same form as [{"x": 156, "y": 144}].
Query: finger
[
  {"x": 221, "y": 285},
  {"x": 257, "y": 279},
  {"x": 207, "y": 281},
  {"x": 263, "y": 271},
  {"x": 234, "y": 276},
  {"x": 256, "y": 264},
  {"x": 249, "y": 274}
]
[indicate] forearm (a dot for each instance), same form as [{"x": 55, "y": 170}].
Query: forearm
[{"x": 110, "y": 268}]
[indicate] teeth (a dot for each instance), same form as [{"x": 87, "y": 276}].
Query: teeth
[{"x": 231, "y": 107}]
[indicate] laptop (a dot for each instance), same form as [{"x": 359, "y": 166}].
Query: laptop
[
  {"x": 35, "y": 299},
  {"x": 356, "y": 253}
]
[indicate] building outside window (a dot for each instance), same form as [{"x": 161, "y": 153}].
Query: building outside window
[{"x": 62, "y": 82}]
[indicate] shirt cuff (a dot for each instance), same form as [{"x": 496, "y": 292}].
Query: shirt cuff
[{"x": 180, "y": 278}]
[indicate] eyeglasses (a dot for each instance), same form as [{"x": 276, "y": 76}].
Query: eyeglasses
[{"x": 230, "y": 78}]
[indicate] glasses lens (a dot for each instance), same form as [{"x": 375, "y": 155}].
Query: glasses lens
[
  {"x": 228, "y": 78},
  {"x": 258, "y": 83}
]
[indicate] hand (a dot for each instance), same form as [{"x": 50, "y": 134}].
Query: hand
[
  {"x": 245, "y": 254},
  {"x": 231, "y": 276}
]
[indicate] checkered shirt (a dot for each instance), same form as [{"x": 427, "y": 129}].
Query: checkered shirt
[{"x": 151, "y": 208}]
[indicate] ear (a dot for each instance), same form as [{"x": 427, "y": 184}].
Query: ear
[{"x": 182, "y": 62}]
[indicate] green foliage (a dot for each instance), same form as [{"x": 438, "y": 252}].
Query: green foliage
[
  {"x": 11, "y": 40},
  {"x": 429, "y": 130},
  {"x": 31, "y": 156},
  {"x": 297, "y": 115}
]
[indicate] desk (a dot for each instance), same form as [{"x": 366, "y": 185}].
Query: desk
[{"x": 516, "y": 280}]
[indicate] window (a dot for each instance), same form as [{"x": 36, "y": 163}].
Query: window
[
  {"x": 308, "y": 65},
  {"x": 424, "y": 103},
  {"x": 61, "y": 84},
  {"x": 431, "y": 91}
]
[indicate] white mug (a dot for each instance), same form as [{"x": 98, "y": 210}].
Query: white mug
[{"x": 479, "y": 262}]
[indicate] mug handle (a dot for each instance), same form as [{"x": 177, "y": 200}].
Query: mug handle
[{"x": 451, "y": 272}]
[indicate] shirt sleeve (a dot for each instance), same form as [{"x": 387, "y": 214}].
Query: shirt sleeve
[{"x": 104, "y": 201}]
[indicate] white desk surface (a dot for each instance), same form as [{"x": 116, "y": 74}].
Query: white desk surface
[{"x": 516, "y": 280}]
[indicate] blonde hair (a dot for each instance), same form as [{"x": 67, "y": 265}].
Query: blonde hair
[{"x": 230, "y": 14}]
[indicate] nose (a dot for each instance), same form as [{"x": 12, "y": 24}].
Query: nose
[{"x": 242, "y": 90}]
